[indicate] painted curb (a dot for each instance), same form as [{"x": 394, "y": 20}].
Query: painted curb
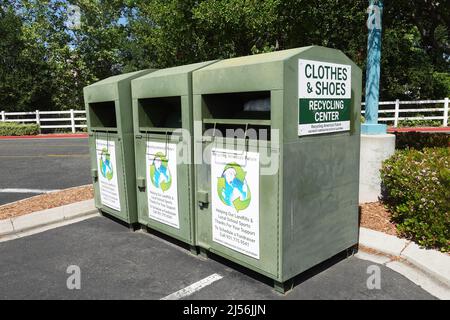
[
  {"x": 48, "y": 136},
  {"x": 47, "y": 217},
  {"x": 432, "y": 262},
  {"x": 419, "y": 129}
]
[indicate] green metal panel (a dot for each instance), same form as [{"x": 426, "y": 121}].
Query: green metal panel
[
  {"x": 148, "y": 94},
  {"x": 308, "y": 208},
  {"x": 109, "y": 118}
]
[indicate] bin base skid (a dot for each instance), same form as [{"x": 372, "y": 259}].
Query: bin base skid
[
  {"x": 283, "y": 287},
  {"x": 194, "y": 250},
  {"x": 203, "y": 253},
  {"x": 132, "y": 226},
  {"x": 352, "y": 250}
]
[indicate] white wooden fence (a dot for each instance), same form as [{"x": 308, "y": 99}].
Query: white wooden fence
[
  {"x": 415, "y": 110},
  {"x": 71, "y": 119}
]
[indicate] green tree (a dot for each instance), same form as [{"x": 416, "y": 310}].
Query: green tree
[{"x": 45, "y": 64}]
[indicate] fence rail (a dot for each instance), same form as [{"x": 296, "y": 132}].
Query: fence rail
[
  {"x": 70, "y": 119},
  {"x": 75, "y": 119},
  {"x": 397, "y": 113}
]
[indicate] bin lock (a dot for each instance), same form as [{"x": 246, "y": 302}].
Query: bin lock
[
  {"x": 202, "y": 197},
  {"x": 141, "y": 184},
  {"x": 94, "y": 174}
]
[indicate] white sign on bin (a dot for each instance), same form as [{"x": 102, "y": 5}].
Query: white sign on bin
[
  {"x": 235, "y": 200},
  {"x": 162, "y": 194},
  {"x": 324, "y": 97},
  {"x": 107, "y": 177}
]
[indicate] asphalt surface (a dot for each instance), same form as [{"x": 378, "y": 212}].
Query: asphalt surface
[
  {"x": 43, "y": 164},
  {"x": 116, "y": 263}
]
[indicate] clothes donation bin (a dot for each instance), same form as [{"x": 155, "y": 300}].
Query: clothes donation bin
[
  {"x": 110, "y": 129},
  {"x": 163, "y": 127},
  {"x": 277, "y": 188}
]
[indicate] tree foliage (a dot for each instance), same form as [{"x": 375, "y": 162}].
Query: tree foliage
[{"x": 45, "y": 63}]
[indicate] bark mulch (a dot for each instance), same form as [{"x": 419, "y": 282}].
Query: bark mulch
[
  {"x": 46, "y": 201},
  {"x": 376, "y": 217}
]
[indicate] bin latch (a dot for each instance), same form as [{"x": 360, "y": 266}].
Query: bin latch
[
  {"x": 94, "y": 174},
  {"x": 202, "y": 198},
  {"x": 141, "y": 183}
]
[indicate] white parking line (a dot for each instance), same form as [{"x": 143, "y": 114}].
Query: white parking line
[
  {"x": 38, "y": 191},
  {"x": 193, "y": 287}
]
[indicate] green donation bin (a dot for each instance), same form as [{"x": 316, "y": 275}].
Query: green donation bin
[
  {"x": 278, "y": 192},
  {"x": 111, "y": 146},
  {"x": 163, "y": 127}
]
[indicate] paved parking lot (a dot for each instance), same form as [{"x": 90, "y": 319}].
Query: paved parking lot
[
  {"x": 32, "y": 166},
  {"x": 116, "y": 263}
]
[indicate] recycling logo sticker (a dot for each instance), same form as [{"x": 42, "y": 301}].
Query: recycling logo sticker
[
  {"x": 159, "y": 172},
  {"x": 232, "y": 187},
  {"x": 106, "y": 167}
]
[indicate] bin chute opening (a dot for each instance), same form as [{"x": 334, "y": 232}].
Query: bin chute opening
[
  {"x": 164, "y": 112},
  {"x": 239, "y": 105},
  {"x": 103, "y": 114}
]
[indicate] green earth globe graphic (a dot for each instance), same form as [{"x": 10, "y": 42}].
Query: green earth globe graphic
[
  {"x": 160, "y": 175},
  {"x": 106, "y": 168},
  {"x": 232, "y": 187}
]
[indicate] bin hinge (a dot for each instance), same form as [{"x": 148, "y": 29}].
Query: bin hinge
[
  {"x": 141, "y": 183},
  {"x": 202, "y": 198},
  {"x": 94, "y": 174}
]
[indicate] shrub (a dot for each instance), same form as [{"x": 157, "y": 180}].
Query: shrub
[
  {"x": 416, "y": 189},
  {"x": 420, "y": 140},
  {"x": 419, "y": 123},
  {"x": 18, "y": 129}
]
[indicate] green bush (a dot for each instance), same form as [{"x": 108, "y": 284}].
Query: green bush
[
  {"x": 416, "y": 189},
  {"x": 420, "y": 140},
  {"x": 419, "y": 123},
  {"x": 18, "y": 129}
]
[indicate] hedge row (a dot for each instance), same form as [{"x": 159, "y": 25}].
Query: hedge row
[
  {"x": 18, "y": 129},
  {"x": 416, "y": 189},
  {"x": 421, "y": 140}
]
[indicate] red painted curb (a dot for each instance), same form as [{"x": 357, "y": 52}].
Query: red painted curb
[
  {"x": 420, "y": 129},
  {"x": 48, "y": 136}
]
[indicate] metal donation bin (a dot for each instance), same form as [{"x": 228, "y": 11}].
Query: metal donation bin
[
  {"x": 280, "y": 195},
  {"x": 163, "y": 131},
  {"x": 110, "y": 128}
]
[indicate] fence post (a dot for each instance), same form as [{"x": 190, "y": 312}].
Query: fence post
[
  {"x": 72, "y": 120},
  {"x": 445, "y": 122},
  {"x": 38, "y": 120},
  {"x": 397, "y": 111},
  {"x": 3, "y": 116}
]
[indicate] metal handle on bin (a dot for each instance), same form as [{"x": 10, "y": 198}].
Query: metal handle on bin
[{"x": 166, "y": 149}]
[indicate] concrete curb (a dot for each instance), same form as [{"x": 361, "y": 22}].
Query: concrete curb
[
  {"x": 431, "y": 262},
  {"x": 36, "y": 220}
]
